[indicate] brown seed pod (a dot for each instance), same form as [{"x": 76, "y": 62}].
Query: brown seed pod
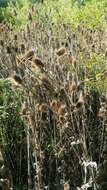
[
  {"x": 29, "y": 55},
  {"x": 54, "y": 105},
  {"x": 61, "y": 51},
  {"x": 17, "y": 78},
  {"x": 42, "y": 107},
  {"x": 62, "y": 110},
  {"x": 47, "y": 84},
  {"x": 61, "y": 119},
  {"x": 37, "y": 62}
]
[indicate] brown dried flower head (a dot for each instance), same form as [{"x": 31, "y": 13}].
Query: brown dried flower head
[
  {"x": 29, "y": 55},
  {"x": 61, "y": 119},
  {"x": 61, "y": 51},
  {"x": 17, "y": 78},
  {"x": 62, "y": 110},
  {"x": 54, "y": 105},
  {"x": 37, "y": 62}
]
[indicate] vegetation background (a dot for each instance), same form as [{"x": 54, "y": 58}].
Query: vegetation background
[{"x": 53, "y": 94}]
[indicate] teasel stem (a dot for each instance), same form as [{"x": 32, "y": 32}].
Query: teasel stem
[{"x": 28, "y": 152}]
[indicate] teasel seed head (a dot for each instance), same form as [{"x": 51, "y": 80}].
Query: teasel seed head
[
  {"x": 29, "y": 55},
  {"x": 62, "y": 110},
  {"x": 42, "y": 107},
  {"x": 54, "y": 105},
  {"x": 17, "y": 78},
  {"x": 61, "y": 119},
  {"x": 47, "y": 84},
  {"x": 37, "y": 62},
  {"x": 61, "y": 51}
]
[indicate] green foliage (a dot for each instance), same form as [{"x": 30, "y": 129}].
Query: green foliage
[
  {"x": 12, "y": 134},
  {"x": 16, "y": 13},
  {"x": 93, "y": 14},
  {"x": 11, "y": 125}
]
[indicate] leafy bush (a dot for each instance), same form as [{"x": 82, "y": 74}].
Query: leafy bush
[{"x": 12, "y": 135}]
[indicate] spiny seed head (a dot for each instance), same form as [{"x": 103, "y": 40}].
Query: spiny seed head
[
  {"x": 38, "y": 62},
  {"x": 17, "y": 78},
  {"x": 61, "y": 51},
  {"x": 45, "y": 79},
  {"x": 62, "y": 110},
  {"x": 42, "y": 107},
  {"x": 46, "y": 82},
  {"x": 61, "y": 119},
  {"x": 29, "y": 54},
  {"x": 54, "y": 105}
]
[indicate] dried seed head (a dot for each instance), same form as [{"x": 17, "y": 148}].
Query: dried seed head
[
  {"x": 17, "y": 78},
  {"x": 29, "y": 55},
  {"x": 47, "y": 84},
  {"x": 42, "y": 107},
  {"x": 61, "y": 51},
  {"x": 54, "y": 105},
  {"x": 38, "y": 62},
  {"x": 62, "y": 110},
  {"x": 61, "y": 119}
]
